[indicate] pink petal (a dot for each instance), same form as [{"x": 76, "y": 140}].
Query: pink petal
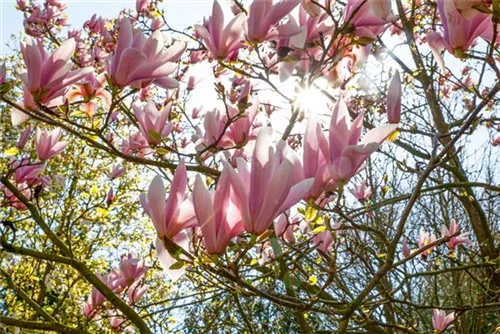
[{"x": 157, "y": 205}]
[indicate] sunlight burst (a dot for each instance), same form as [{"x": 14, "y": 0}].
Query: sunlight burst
[{"x": 312, "y": 99}]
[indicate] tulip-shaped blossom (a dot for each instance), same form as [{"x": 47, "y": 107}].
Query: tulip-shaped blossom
[
  {"x": 313, "y": 27},
  {"x": 116, "y": 171},
  {"x": 135, "y": 292},
  {"x": 263, "y": 18},
  {"x": 138, "y": 61},
  {"x": 152, "y": 123},
  {"x": 394, "y": 100},
  {"x": 362, "y": 191},
  {"x": 460, "y": 30},
  {"x": 272, "y": 186},
  {"x": 424, "y": 239},
  {"x": 89, "y": 90},
  {"x": 237, "y": 133},
  {"x": 314, "y": 7},
  {"x": 323, "y": 241},
  {"x": 441, "y": 321},
  {"x": 47, "y": 143},
  {"x": 170, "y": 217},
  {"x": 110, "y": 196},
  {"x": 461, "y": 239},
  {"x": 3, "y": 74},
  {"x": 117, "y": 322},
  {"x": 314, "y": 161},
  {"x": 222, "y": 42},
  {"x": 217, "y": 215},
  {"x": 26, "y": 171},
  {"x": 142, "y": 6},
  {"x": 369, "y": 17},
  {"x": 131, "y": 269},
  {"x": 174, "y": 214},
  {"x": 49, "y": 76},
  {"x": 285, "y": 227},
  {"x": 406, "y": 248},
  {"x": 96, "y": 298},
  {"x": 346, "y": 154},
  {"x": 15, "y": 202},
  {"x": 136, "y": 143},
  {"x": 24, "y": 137},
  {"x": 240, "y": 131}
]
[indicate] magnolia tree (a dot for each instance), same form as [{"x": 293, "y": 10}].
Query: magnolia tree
[{"x": 279, "y": 167}]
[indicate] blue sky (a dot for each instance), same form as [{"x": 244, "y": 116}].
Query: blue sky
[{"x": 179, "y": 13}]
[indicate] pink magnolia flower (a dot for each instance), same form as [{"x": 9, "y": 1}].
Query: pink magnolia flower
[
  {"x": 95, "y": 299},
  {"x": 89, "y": 90},
  {"x": 47, "y": 144},
  {"x": 139, "y": 62},
  {"x": 263, "y": 18},
  {"x": 49, "y": 76},
  {"x": 136, "y": 143},
  {"x": 197, "y": 112},
  {"x": 192, "y": 82},
  {"x": 425, "y": 238},
  {"x": 142, "y": 6},
  {"x": 459, "y": 31},
  {"x": 369, "y": 18},
  {"x": 116, "y": 171},
  {"x": 117, "y": 322},
  {"x": 265, "y": 253},
  {"x": 3, "y": 74},
  {"x": 26, "y": 171},
  {"x": 110, "y": 196},
  {"x": 461, "y": 239},
  {"x": 285, "y": 227},
  {"x": 23, "y": 138},
  {"x": 406, "y": 248},
  {"x": 96, "y": 24},
  {"x": 157, "y": 24},
  {"x": 394, "y": 100},
  {"x": 15, "y": 202},
  {"x": 132, "y": 269},
  {"x": 441, "y": 321},
  {"x": 17, "y": 115},
  {"x": 323, "y": 241},
  {"x": 182, "y": 239},
  {"x": 222, "y": 42},
  {"x": 218, "y": 217},
  {"x": 135, "y": 292},
  {"x": 153, "y": 124},
  {"x": 273, "y": 185},
  {"x": 313, "y": 9},
  {"x": 240, "y": 131},
  {"x": 315, "y": 165},
  {"x": 362, "y": 192},
  {"x": 174, "y": 214},
  {"x": 346, "y": 155}
]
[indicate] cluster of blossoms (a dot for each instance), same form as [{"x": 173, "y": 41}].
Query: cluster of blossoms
[
  {"x": 426, "y": 240},
  {"x": 38, "y": 20},
  {"x": 27, "y": 172},
  {"x": 126, "y": 279}
]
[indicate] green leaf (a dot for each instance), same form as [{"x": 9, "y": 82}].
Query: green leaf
[
  {"x": 154, "y": 135},
  {"x": 162, "y": 151},
  {"x": 319, "y": 229},
  {"x": 177, "y": 265}
]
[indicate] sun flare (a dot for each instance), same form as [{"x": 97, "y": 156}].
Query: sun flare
[{"x": 312, "y": 99}]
